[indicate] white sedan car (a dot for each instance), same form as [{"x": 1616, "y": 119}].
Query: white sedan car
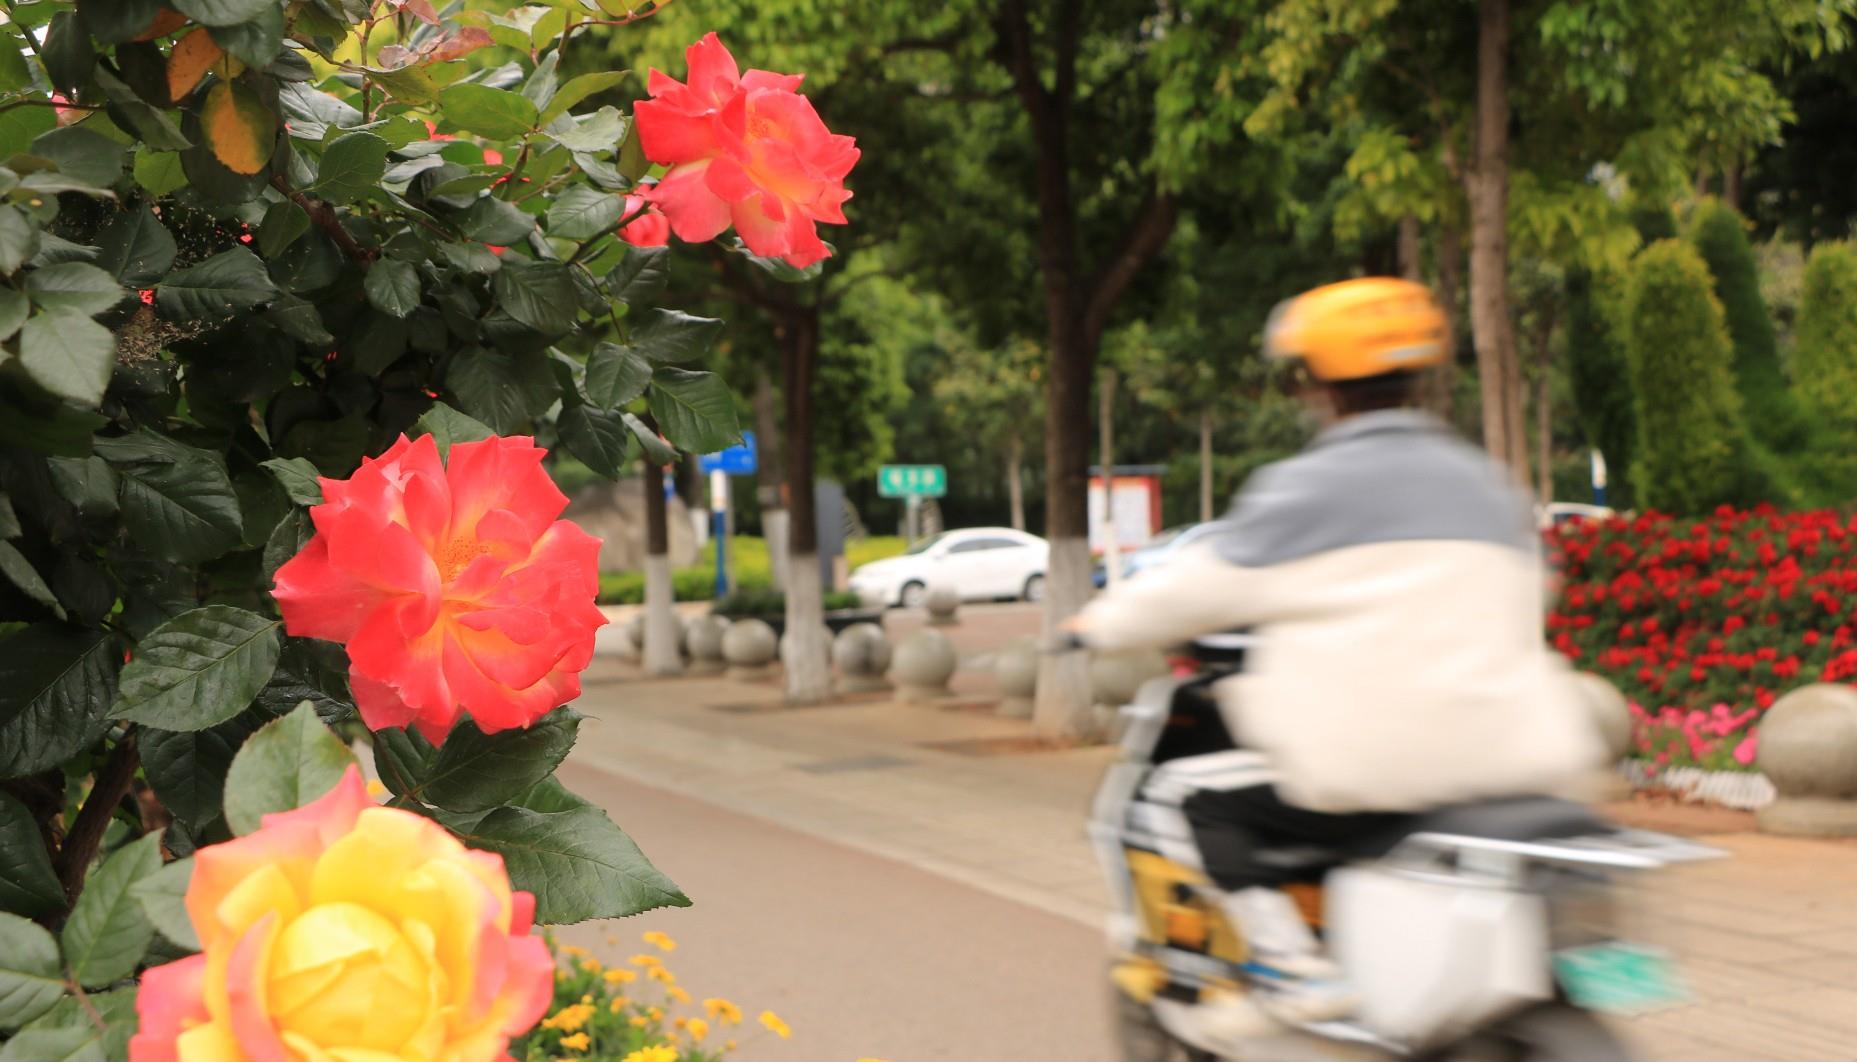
[{"x": 979, "y": 563}]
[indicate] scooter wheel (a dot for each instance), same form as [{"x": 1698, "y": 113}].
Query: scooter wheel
[
  {"x": 1553, "y": 1032},
  {"x": 1142, "y": 1038}
]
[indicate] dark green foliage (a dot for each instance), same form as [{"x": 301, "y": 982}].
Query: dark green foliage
[
  {"x": 1773, "y": 414},
  {"x": 1825, "y": 360},
  {"x": 1601, "y": 378}
]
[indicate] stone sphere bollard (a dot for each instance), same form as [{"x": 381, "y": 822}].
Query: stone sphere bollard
[
  {"x": 1016, "y": 665},
  {"x": 1808, "y": 750},
  {"x": 635, "y": 630},
  {"x": 748, "y": 646},
  {"x": 1114, "y": 678},
  {"x": 703, "y": 639},
  {"x": 1611, "y": 716},
  {"x": 615, "y": 639},
  {"x": 943, "y": 603},
  {"x": 861, "y": 654},
  {"x": 786, "y": 643},
  {"x": 922, "y": 665}
]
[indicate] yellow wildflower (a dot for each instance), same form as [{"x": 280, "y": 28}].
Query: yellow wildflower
[
  {"x": 659, "y": 973},
  {"x": 617, "y": 1005},
  {"x": 647, "y": 961},
  {"x": 681, "y": 1022},
  {"x": 655, "y": 1053},
  {"x": 660, "y": 941},
  {"x": 639, "y": 1021},
  {"x": 775, "y": 1025},
  {"x": 655, "y": 1013},
  {"x": 698, "y": 1029},
  {"x": 591, "y": 965},
  {"x": 586, "y": 999},
  {"x": 678, "y": 994},
  {"x": 616, "y": 976},
  {"x": 570, "y": 1018},
  {"x": 729, "y": 1013},
  {"x": 574, "y": 951},
  {"x": 730, "y": 1046},
  {"x": 577, "y": 1042}
]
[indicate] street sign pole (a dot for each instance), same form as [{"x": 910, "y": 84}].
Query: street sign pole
[
  {"x": 912, "y": 517},
  {"x": 719, "y": 507}
]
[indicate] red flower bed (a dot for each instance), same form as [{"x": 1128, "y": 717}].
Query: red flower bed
[{"x": 1704, "y": 623}]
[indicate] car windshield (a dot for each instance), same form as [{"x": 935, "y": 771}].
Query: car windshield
[{"x": 926, "y": 544}]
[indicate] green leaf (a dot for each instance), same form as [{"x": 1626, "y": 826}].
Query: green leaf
[
  {"x": 310, "y": 670},
  {"x": 222, "y": 286},
  {"x": 493, "y": 113},
  {"x": 224, "y": 12},
  {"x": 107, "y": 934},
  {"x": 580, "y": 212},
  {"x": 177, "y": 500},
  {"x": 187, "y": 768},
  {"x": 299, "y": 479},
  {"x": 118, "y": 21},
  {"x": 55, "y": 686},
  {"x": 538, "y": 294},
  {"x": 75, "y": 286},
  {"x": 72, "y": 1043},
  {"x": 159, "y": 172},
  {"x": 19, "y": 240},
  {"x": 598, "y": 437},
  {"x": 163, "y": 899},
  {"x": 136, "y": 248},
  {"x": 600, "y": 131},
  {"x": 30, "y": 980},
  {"x": 20, "y": 572},
  {"x": 447, "y": 426},
  {"x": 146, "y": 122},
  {"x": 476, "y": 772},
  {"x": 403, "y": 757},
  {"x": 541, "y": 85},
  {"x": 578, "y": 864},
  {"x": 351, "y": 167},
  {"x": 695, "y": 410},
  {"x": 256, "y": 41},
  {"x": 74, "y": 1035},
  {"x": 27, "y": 884},
  {"x": 656, "y": 450},
  {"x": 471, "y": 257},
  {"x": 578, "y": 89},
  {"x": 632, "y": 161},
  {"x": 69, "y": 57},
  {"x": 639, "y": 278},
  {"x": 492, "y": 221},
  {"x": 548, "y": 795},
  {"x": 500, "y": 390},
  {"x": 69, "y": 355},
  {"x": 283, "y": 223},
  {"x": 393, "y": 287},
  {"x": 616, "y": 375},
  {"x": 91, "y": 159},
  {"x": 199, "y": 668},
  {"x": 14, "y": 306},
  {"x": 285, "y": 765},
  {"x": 674, "y": 336}
]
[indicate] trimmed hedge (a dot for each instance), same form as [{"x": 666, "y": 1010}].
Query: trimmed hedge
[
  {"x": 1826, "y": 357},
  {"x": 1774, "y": 413}
]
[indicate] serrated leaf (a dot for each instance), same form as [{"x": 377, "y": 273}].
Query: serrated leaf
[
  {"x": 136, "y": 248},
  {"x": 493, "y": 113},
  {"x": 66, "y": 1043},
  {"x": 20, "y": 572},
  {"x": 163, "y": 898},
  {"x": 447, "y": 426},
  {"x": 298, "y": 477},
  {"x": 578, "y": 863},
  {"x": 491, "y": 387},
  {"x": 580, "y": 212},
  {"x": 393, "y": 287},
  {"x": 598, "y": 132},
  {"x": 177, "y": 500},
  {"x": 471, "y": 257},
  {"x": 403, "y": 757},
  {"x": 147, "y": 122},
  {"x": 694, "y": 409},
  {"x": 192, "y": 57},
  {"x": 598, "y": 437},
  {"x": 199, "y": 668},
  {"x": 674, "y": 336},
  {"x": 67, "y": 51},
  {"x": 225, "y": 284},
  {"x": 351, "y": 167},
  {"x": 55, "y": 686},
  {"x": 239, "y": 128},
  {"x": 495, "y": 222},
  {"x": 285, "y": 765},
  {"x": 283, "y": 223},
  {"x": 616, "y": 375},
  {"x": 19, "y": 240},
  {"x": 538, "y": 294},
  {"x": 75, "y": 286},
  {"x": 657, "y": 451},
  {"x": 27, "y": 883},
  {"x": 577, "y": 89},
  {"x": 187, "y": 768},
  {"x": 641, "y": 275},
  {"x": 30, "y": 980},
  {"x": 159, "y": 172},
  {"x": 223, "y": 12},
  {"x": 254, "y": 41},
  {"x": 69, "y": 355},
  {"x": 69, "y": 1031},
  {"x": 118, "y": 21},
  {"x": 107, "y": 933},
  {"x": 473, "y": 771},
  {"x": 91, "y": 160}
]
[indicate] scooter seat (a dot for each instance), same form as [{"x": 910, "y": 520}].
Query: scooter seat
[{"x": 1527, "y": 818}]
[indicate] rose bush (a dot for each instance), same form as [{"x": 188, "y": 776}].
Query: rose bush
[{"x": 1704, "y": 623}]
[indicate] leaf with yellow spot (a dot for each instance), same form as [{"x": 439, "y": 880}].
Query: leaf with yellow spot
[
  {"x": 193, "y": 55},
  {"x": 239, "y": 128}
]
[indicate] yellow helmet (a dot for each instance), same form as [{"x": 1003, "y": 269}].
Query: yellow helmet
[{"x": 1359, "y": 328}]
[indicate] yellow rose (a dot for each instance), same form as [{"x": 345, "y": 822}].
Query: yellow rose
[{"x": 347, "y": 930}]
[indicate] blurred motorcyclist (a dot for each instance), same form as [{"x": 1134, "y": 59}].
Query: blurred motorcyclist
[{"x": 1391, "y": 573}]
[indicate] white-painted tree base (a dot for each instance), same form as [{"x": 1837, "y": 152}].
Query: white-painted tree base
[
  {"x": 808, "y": 656},
  {"x": 663, "y": 651},
  {"x": 1062, "y": 706}
]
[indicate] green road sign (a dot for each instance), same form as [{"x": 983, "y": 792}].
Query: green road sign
[{"x": 902, "y": 481}]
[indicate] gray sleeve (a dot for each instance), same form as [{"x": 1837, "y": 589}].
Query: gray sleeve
[{"x": 1270, "y": 520}]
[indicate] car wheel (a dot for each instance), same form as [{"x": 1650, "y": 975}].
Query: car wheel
[
  {"x": 914, "y": 595},
  {"x": 1034, "y": 589}
]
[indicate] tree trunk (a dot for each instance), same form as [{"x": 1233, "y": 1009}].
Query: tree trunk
[
  {"x": 1731, "y": 184},
  {"x": 770, "y": 478},
  {"x": 662, "y": 651},
  {"x": 1544, "y": 439},
  {"x": 1112, "y": 546},
  {"x": 1015, "y": 480},
  {"x": 1205, "y": 464},
  {"x": 806, "y": 649},
  {"x": 1487, "y": 187},
  {"x": 1409, "y": 247}
]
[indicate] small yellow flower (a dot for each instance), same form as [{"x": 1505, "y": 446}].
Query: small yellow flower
[
  {"x": 616, "y": 976},
  {"x": 722, "y": 1009},
  {"x": 660, "y": 941},
  {"x": 775, "y": 1025},
  {"x": 577, "y": 1042},
  {"x": 655, "y": 1053},
  {"x": 591, "y": 965},
  {"x": 376, "y": 789},
  {"x": 586, "y": 999},
  {"x": 655, "y": 1013},
  {"x": 730, "y": 1046},
  {"x": 646, "y": 961},
  {"x": 659, "y": 973},
  {"x": 617, "y": 1005},
  {"x": 639, "y": 1021},
  {"x": 680, "y": 1022},
  {"x": 574, "y": 951},
  {"x": 678, "y": 994},
  {"x": 568, "y": 1019},
  {"x": 698, "y": 1029}
]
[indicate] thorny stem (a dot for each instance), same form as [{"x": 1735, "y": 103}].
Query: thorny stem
[
  {"x": 631, "y": 16},
  {"x": 605, "y": 232},
  {"x": 324, "y": 216},
  {"x": 86, "y": 833}
]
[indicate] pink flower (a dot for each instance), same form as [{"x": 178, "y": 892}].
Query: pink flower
[
  {"x": 744, "y": 149},
  {"x": 493, "y": 157},
  {"x": 1745, "y": 751},
  {"x": 453, "y": 585},
  {"x": 649, "y": 229}
]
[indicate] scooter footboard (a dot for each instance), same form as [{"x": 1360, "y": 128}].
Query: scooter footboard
[{"x": 1433, "y": 958}]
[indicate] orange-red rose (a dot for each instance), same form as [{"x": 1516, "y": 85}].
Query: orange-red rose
[
  {"x": 744, "y": 149},
  {"x": 649, "y": 229},
  {"x": 453, "y": 585}
]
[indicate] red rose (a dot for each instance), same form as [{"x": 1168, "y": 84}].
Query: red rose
[{"x": 649, "y": 229}]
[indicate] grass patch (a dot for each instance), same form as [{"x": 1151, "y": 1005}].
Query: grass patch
[{"x": 753, "y": 570}]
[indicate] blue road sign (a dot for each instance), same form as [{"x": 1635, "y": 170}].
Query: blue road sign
[{"x": 735, "y": 461}]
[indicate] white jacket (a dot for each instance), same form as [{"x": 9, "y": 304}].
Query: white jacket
[{"x": 1391, "y": 575}]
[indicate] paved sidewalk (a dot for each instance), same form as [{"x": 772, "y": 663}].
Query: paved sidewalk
[{"x": 1768, "y": 938}]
